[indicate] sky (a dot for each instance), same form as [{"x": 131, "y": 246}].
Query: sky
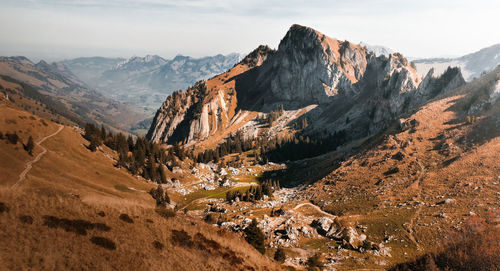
[{"x": 61, "y": 29}]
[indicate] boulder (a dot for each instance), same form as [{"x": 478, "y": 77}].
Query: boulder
[{"x": 351, "y": 239}]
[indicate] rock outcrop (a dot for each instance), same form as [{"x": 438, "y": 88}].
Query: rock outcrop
[{"x": 352, "y": 89}]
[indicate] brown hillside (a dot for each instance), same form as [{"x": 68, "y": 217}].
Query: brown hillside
[
  {"x": 75, "y": 210},
  {"x": 55, "y": 88},
  {"x": 418, "y": 184}
]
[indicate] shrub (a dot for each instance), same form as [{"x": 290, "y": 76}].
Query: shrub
[
  {"x": 12, "y": 138},
  {"x": 158, "y": 245},
  {"x": 26, "y": 219},
  {"x": 166, "y": 213},
  {"x": 3, "y": 207},
  {"x": 77, "y": 226},
  {"x": 314, "y": 261},
  {"x": 209, "y": 243},
  {"x": 101, "y": 227},
  {"x": 210, "y": 218},
  {"x": 181, "y": 238},
  {"x": 279, "y": 255},
  {"x": 103, "y": 242},
  {"x": 126, "y": 218}
]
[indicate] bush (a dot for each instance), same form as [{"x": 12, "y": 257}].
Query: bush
[
  {"x": 12, "y": 138},
  {"x": 166, "y": 213},
  {"x": 157, "y": 245},
  {"x": 26, "y": 219},
  {"x": 3, "y": 208},
  {"x": 279, "y": 255},
  {"x": 103, "y": 242},
  {"x": 77, "y": 226},
  {"x": 210, "y": 218},
  {"x": 314, "y": 261},
  {"x": 181, "y": 238},
  {"x": 126, "y": 218}
]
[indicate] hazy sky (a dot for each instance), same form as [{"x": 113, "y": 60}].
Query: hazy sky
[{"x": 54, "y": 29}]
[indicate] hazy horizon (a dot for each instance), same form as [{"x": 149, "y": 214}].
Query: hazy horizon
[{"x": 58, "y": 29}]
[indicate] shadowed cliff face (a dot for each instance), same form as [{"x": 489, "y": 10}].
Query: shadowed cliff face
[
  {"x": 310, "y": 67},
  {"x": 354, "y": 90}
]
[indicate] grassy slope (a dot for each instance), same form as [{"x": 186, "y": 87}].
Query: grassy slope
[
  {"x": 72, "y": 183},
  {"x": 444, "y": 158}
]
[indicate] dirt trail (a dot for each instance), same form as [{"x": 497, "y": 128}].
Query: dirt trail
[
  {"x": 314, "y": 207},
  {"x": 29, "y": 164}
]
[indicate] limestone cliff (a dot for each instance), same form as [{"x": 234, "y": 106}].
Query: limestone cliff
[{"x": 352, "y": 90}]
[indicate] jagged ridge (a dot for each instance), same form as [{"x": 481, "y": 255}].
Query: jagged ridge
[{"x": 355, "y": 91}]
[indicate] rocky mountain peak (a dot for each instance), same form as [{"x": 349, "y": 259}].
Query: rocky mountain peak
[
  {"x": 141, "y": 63},
  {"x": 310, "y": 67},
  {"x": 350, "y": 89},
  {"x": 257, "y": 56}
]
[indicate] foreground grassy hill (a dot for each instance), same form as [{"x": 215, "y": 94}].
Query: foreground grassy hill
[{"x": 66, "y": 208}]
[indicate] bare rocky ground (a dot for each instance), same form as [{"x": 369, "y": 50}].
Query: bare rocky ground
[{"x": 403, "y": 193}]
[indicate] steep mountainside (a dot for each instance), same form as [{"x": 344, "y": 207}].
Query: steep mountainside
[
  {"x": 143, "y": 82},
  {"x": 56, "y": 83},
  {"x": 471, "y": 65},
  {"x": 432, "y": 173},
  {"x": 430, "y": 177},
  {"x": 338, "y": 86},
  {"x": 65, "y": 207}
]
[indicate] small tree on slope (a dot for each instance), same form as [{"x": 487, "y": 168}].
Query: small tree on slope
[
  {"x": 30, "y": 145},
  {"x": 255, "y": 237}
]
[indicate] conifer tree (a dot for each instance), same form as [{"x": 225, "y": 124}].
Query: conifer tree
[
  {"x": 255, "y": 237},
  {"x": 30, "y": 145},
  {"x": 279, "y": 255}
]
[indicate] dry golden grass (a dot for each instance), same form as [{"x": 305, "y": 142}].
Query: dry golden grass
[
  {"x": 444, "y": 157},
  {"x": 69, "y": 214}
]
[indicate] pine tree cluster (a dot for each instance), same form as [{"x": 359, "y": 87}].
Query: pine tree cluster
[
  {"x": 138, "y": 156},
  {"x": 275, "y": 149},
  {"x": 234, "y": 144},
  {"x": 275, "y": 114},
  {"x": 299, "y": 147},
  {"x": 267, "y": 187},
  {"x": 160, "y": 195}
]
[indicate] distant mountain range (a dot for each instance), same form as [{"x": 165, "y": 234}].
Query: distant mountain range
[
  {"x": 471, "y": 65},
  {"x": 54, "y": 88},
  {"x": 144, "y": 82}
]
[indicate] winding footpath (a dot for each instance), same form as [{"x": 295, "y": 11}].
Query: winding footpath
[
  {"x": 315, "y": 207},
  {"x": 29, "y": 164}
]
